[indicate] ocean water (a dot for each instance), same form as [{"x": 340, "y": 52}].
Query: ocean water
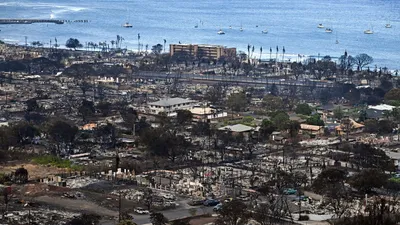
[{"x": 290, "y": 23}]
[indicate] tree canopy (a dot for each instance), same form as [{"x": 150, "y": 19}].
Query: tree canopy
[
  {"x": 303, "y": 109},
  {"x": 237, "y": 101},
  {"x": 73, "y": 43}
]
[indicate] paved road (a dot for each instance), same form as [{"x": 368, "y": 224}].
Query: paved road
[
  {"x": 173, "y": 214},
  {"x": 232, "y": 79}
]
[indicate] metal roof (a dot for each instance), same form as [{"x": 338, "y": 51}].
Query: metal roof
[{"x": 171, "y": 101}]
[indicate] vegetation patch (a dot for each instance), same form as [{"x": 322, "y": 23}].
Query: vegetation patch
[{"x": 56, "y": 161}]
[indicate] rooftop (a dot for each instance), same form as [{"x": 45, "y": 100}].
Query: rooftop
[
  {"x": 237, "y": 128},
  {"x": 382, "y": 107},
  {"x": 171, "y": 101}
]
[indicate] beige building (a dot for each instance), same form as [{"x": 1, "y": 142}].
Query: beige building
[{"x": 209, "y": 51}]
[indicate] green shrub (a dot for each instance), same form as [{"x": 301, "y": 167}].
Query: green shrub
[{"x": 56, "y": 161}]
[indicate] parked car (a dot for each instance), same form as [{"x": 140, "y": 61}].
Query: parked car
[
  {"x": 228, "y": 200},
  {"x": 139, "y": 210},
  {"x": 211, "y": 202},
  {"x": 217, "y": 207},
  {"x": 169, "y": 196},
  {"x": 289, "y": 191},
  {"x": 196, "y": 202}
]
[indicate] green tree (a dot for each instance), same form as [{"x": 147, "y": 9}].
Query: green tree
[
  {"x": 304, "y": 109},
  {"x": 234, "y": 212},
  {"x": 23, "y": 132},
  {"x": 368, "y": 179},
  {"x": 73, "y": 43},
  {"x": 183, "y": 117},
  {"x": 272, "y": 103},
  {"x": 393, "y": 95},
  {"x": 32, "y": 105},
  {"x": 214, "y": 94},
  {"x": 338, "y": 113},
  {"x": 157, "y": 218},
  {"x": 280, "y": 119},
  {"x": 267, "y": 127},
  {"x": 86, "y": 109},
  {"x": 237, "y": 102},
  {"x": 21, "y": 175},
  {"x": 104, "y": 108},
  {"x": 331, "y": 183},
  {"x": 156, "y": 49},
  {"x": 315, "y": 120},
  {"x": 371, "y": 126},
  {"x": 61, "y": 133},
  {"x": 293, "y": 128}
]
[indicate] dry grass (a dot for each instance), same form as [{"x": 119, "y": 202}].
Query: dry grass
[{"x": 35, "y": 171}]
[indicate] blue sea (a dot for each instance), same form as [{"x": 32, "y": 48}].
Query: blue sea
[{"x": 290, "y": 23}]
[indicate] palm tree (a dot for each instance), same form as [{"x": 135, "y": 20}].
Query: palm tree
[
  {"x": 138, "y": 39},
  {"x": 147, "y": 47},
  {"x": 283, "y": 56},
  {"x": 165, "y": 42},
  {"x": 112, "y": 43},
  {"x": 252, "y": 51},
  {"x": 248, "y": 53},
  {"x": 260, "y": 53},
  {"x": 55, "y": 45},
  {"x": 277, "y": 50},
  {"x": 118, "y": 39}
]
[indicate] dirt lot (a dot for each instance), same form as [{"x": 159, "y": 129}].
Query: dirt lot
[
  {"x": 76, "y": 205},
  {"x": 35, "y": 171}
]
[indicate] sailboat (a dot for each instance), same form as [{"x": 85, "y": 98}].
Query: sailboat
[
  {"x": 388, "y": 25},
  {"x": 220, "y": 32},
  {"x": 369, "y": 31},
  {"x": 241, "y": 28},
  {"x": 127, "y": 25}
]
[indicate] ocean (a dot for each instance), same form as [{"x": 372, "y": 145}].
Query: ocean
[{"x": 290, "y": 23}]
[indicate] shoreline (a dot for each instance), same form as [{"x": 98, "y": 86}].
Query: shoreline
[{"x": 289, "y": 57}]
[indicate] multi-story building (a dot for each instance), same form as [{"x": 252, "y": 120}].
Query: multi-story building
[
  {"x": 209, "y": 51},
  {"x": 170, "y": 105}
]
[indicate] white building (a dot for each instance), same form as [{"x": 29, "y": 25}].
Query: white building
[{"x": 170, "y": 105}]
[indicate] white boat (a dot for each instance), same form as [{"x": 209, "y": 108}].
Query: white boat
[
  {"x": 328, "y": 30},
  {"x": 127, "y": 25},
  {"x": 320, "y": 25},
  {"x": 220, "y": 32},
  {"x": 388, "y": 25},
  {"x": 368, "y": 31},
  {"x": 265, "y": 31},
  {"x": 230, "y": 27},
  {"x": 241, "y": 29}
]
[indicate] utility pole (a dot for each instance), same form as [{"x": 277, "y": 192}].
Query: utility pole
[{"x": 119, "y": 207}]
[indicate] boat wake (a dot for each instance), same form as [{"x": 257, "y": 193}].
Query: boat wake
[{"x": 55, "y": 9}]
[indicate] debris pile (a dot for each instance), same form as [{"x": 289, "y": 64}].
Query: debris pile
[
  {"x": 39, "y": 217},
  {"x": 81, "y": 182}
]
